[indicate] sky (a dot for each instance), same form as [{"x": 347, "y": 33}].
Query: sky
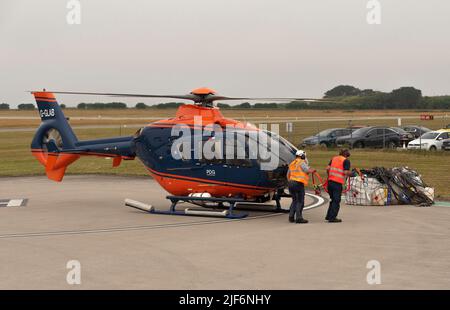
[{"x": 261, "y": 48}]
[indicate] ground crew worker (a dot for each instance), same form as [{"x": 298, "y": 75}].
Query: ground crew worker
[
  {"x": 297, "y": 180},
  {"x": 338, "y": 169}
]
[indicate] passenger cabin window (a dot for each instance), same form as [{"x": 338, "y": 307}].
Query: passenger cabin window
[
  {"x": 219, "y": 147},
  {"x": 240, "y": 148}
]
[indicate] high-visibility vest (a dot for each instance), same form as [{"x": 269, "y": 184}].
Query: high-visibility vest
[
  {"x": 336, "y": 171},
  {"x": 296, "y": 172}
]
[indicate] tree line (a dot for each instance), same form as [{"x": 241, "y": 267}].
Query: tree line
[
  {"x": 347, "y": 96},
  {"x": 339, "y": 97}
]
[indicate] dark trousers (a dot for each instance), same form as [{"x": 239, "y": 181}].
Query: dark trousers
[
  {"x": 297, "y": 190},
  {"x": 335, "y": 192}
]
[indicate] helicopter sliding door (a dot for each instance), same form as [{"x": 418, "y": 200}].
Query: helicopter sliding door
[
  {"x": 224, "y": 157},
  {"x": 240, "y": 163}
]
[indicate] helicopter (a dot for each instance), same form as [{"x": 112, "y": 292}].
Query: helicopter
[{"x": 169, "y": 148}]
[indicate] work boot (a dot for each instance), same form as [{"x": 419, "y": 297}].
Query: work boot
[
  {"x": 291, "y": 220},
  {"x": 335, "y": 220},
  {"x": 301, "y": 221}
]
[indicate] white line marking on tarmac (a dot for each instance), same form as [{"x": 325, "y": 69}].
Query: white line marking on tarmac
[{"x": 318, "y": 203}]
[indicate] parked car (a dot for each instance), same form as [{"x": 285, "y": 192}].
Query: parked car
[
  {"x": 431, "y": 141},
  {"x": 405, "y": 137},
  {"x": 375, "y": 136},
  {"x": 416, "y": 130},
  {"x": 326, "y": 137}
]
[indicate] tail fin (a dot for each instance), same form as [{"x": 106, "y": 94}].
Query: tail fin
[
  {"x": 56, "y": 146},
  {"x": 52, "y": 114},
  {"x": 53, "y": 136}
]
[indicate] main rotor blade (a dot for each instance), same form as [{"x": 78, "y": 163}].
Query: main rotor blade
[
  {"x": 196, "y": 98},
  {"x": 224, "y": 98},
  {"x": 185, "y": 97}
]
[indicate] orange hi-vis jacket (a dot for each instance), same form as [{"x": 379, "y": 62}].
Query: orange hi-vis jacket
[
  {"x": 296, "y": 172},
  {"x": 336, "y": 171}
]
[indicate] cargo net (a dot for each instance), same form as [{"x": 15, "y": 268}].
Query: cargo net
[{"x": 381, "y": 187}]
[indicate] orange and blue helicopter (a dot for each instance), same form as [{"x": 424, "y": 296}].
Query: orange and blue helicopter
[{"x": 197, "y": 180}]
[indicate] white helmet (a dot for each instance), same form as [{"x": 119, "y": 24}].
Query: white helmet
[{"x": 300, "y": 153}]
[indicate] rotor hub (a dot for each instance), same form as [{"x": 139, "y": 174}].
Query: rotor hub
[
  {"x": 203, "y": 96},
  {"x": 203, "y": 91}
]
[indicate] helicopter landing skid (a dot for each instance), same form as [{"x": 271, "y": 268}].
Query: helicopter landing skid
[{"x": 229, "y": 213}]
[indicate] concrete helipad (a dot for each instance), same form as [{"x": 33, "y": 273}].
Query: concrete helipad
[{"x": 83, "y": 218}]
